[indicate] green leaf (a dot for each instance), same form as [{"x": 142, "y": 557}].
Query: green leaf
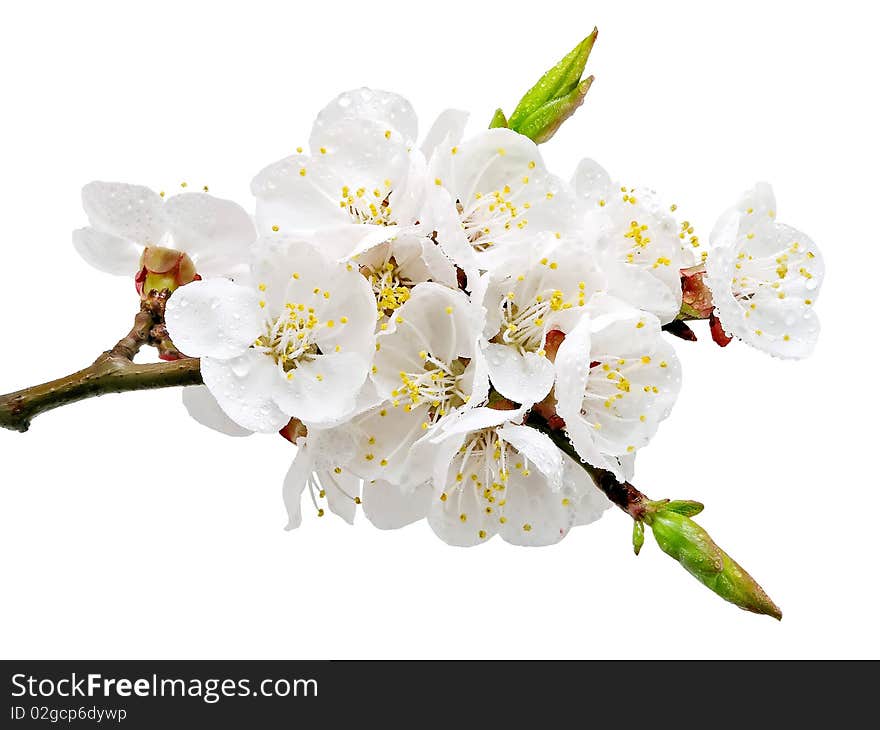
[
  {"x": 498, "y": 120},
  {"x": 685, "y": 507},
  {"x": 557, "y": 83}
]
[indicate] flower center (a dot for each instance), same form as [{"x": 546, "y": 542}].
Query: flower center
[
  {"x": 289, "y": 339},
  {"x": 774, "y": 271},
  {"x": 613, "y": 381},
  {"x": 438, "y": 385},
  {"x": 524, "y": 319},
  {"x": 488, "y": 216},
  {"x": 389, "y": 286},
  {"x": 368, "y": 206},
  {"x": 484, "y": 466}
]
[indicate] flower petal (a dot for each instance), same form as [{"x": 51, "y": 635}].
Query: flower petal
[
  {"x": 534, "y": 514},
  {"x": 345, "y": 241},
  {"x": 296, "y": 194},
  {"x": 106, "y": 252},
  {"x": 203, "y": 407},
  {"x": 217, "y": 233},
  {"x": 448, "y": 129},
  {"x": 214, "y": 318},
  {"x": 537, "y": 447},
  {"x": 591, "y": 182},
  {"x": 389, "y": 507},
  {"x": 323, "y": 391},
  {"x": 390, "y": 445},
  {"x": 341, "y": 488},
  {"x": 589, "y": 501},
  {"x": 132, "y": 212},
  {"x": 243, "y": 389},
  {"x": 294, "y": 483},
  {"x": 384, "y": 108},
  {"x": 461, "y": 519},
  {"x": 522, "y": 377}
]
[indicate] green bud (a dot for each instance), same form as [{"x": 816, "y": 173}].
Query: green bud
[
  {"x": 542, "y": 125},
  {"x": 556, "y": 96},
  {"x": 638, "y": 536},
  {"x": 683, "y": 539},
  {"x": 498, "y": 120}
]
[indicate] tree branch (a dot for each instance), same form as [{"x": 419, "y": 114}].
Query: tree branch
[{"x": 113, "y": 372}]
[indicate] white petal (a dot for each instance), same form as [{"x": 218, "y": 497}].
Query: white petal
[
  {"x": 524, "y": 378},
  {"x": 461, "y": 519},
  {"x": 132, "y": 212},
  {"x": 537, "y": 447},
  {"x": 589, "y": 501},
  {"x": 754, "y": 207},
  {"x": 439, "y": 215},
  {"x": 448, "y": 126},
  {"x": 590, "y": 181},
  {"x": 106, "y": 252},
  {"x": 294, "y": 483},
  {"x": 363, "y": 157},
  {"x": 341, "y": 489},
  {"x": 474, "y": 419},
  {"x": 534, "y": 515},
  {"x": 344, "y": 241},
  {"x": 390, "y": 508},
  {"x": 386, "y": 109},
  {"x": 203, "y": 407},
  {"x": 388, "y": 445},
  {"x": 419, "y": 259},
  {"x": 321, "y": 392},
  {"x": 209, "y": 229},
  {"x": 215, "y": 318},
  {"x": 298, "y": 193},
  {"x": 643, "y": 288},
  {"x": 243, "y": 389}
]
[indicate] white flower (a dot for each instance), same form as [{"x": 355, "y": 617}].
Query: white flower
[
  {"x": 425, "y": 368},
  {"x": 616, "y": 379},
  {"x": 504, "y": 196},
  {"x": 765, "y": 277},
  {"x": 637, "y": 241},
  {"x": 363, "y": 194},
  {"x": 527, "y": 298},
  {"x": 493, "y": 476},
  {"x": 297, "y": 343},
  {"x": 126, "y": 219}
]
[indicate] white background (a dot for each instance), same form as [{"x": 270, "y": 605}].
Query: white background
[{"x": 126, "y": 530}]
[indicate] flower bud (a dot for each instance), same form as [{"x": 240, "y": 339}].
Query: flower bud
[
  {"x": 164, "y": 269},
  {"x": 554, "y": 98},
  {"x": 683, "y": 539}
]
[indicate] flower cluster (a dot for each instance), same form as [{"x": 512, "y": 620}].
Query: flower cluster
[{"x": 420, "y": 316}]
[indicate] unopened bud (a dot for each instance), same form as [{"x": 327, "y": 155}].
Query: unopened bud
[
  {"x": 555, "y": 97},
  {"x": 683, "y": 539},
  {"x": 164, "y": 269}
]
